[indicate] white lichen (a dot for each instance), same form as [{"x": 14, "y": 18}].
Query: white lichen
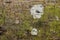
[
  {"x": 57, "y": 18},
  {"x": 37, "y": 11}
]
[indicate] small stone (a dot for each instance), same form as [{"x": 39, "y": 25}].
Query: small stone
[
  {"x": 16, "y": 21},
  {"x": 34, "y": 31}
]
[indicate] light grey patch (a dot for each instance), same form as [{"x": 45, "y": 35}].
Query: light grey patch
[{"x": 37, "y": 11}]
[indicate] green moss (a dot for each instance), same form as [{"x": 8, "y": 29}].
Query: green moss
[{"x": 28, "y": 23}]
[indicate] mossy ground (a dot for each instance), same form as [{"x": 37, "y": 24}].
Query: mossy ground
[{"x": 47, "y": 29}]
